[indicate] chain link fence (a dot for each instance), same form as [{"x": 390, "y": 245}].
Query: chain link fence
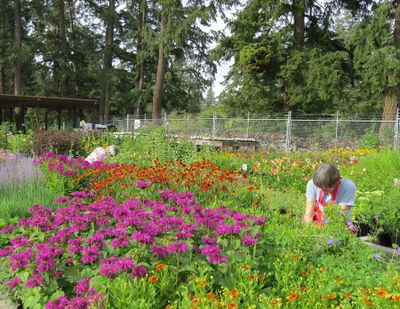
[{"x": 283, "y": 133}]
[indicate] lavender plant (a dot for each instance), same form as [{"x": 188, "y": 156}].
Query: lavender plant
[{"x": 21, "y": 185}]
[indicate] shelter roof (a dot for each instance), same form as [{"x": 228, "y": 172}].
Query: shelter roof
[{"x": 7, "y": 100}]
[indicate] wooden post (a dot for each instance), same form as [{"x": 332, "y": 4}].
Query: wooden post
[
  {"x": 74, "y": 120},
  {"x": 93, "y": 117},
  {"x": 37, "y": 116},
  {"x": 23, "y": 126},
  {"x": 59, "y": 118},
  {"x": 45, "y": 119}
]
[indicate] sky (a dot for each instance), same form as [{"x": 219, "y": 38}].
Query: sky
[{"x": 223, "y": 67}]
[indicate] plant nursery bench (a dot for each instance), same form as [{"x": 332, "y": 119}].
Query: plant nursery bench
[{"x": 228, "y": 144}]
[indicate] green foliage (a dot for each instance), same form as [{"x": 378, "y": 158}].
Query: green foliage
[
  {"x": 75, "y": 143},
  {"x": 376, "y": 59},
  {"x": 16, "y": 200},
  {"x": 348, "y": 61},
  {"x": 151, "y": 144},
  {"x": 3, "y": 136},
  {"x": 22, "y": 143},
  {"x": 123, "y": 292},
  {"x": 370, "y": 139}
]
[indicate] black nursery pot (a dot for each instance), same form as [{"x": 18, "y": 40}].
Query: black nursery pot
[
  {"x": 384, "y": 239},
  {"x": 395, "y": 239},
  {"x": 363, "y": 229}
]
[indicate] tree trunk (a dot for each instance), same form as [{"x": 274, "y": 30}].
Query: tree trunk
[
  {"x": 161, "y": 68},
  {"x": 18, "y": 63},
  {"x": 62, "y": 45},
  {"x": 107, "y": 64},
  {"x": 140, "y": 47},
  {"x": 286, "y": 107},
  {"x": 298, "y": 10},
  {"x": 3, "y": 52},
  {"x": 298, "y": 27},
  {"x": 391, "y": 94},
  {"x": 2, "y": 78},
  {"x": 2, "y": 111},
  {"x": 71, "y": 10}
]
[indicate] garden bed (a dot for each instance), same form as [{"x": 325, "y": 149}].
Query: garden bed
[{"x": 197, "y": 231}]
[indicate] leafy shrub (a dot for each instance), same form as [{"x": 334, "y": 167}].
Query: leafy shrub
[
  {"x": 153, "y": 144},
  {"x": 370, "y": 139},
  {"x": 22, "y": 143},
  {"x": 3, "y": 136},
  {"x": 76, "y": 143},
  {"x": 60, "y": 142}
]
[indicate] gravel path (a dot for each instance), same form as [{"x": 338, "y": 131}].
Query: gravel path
[{"x": 5, "y": 303}]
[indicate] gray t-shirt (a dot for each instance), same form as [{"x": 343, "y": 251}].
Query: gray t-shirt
[{"x": 346, "y": 194}]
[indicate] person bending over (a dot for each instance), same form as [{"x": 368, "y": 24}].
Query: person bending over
[{"x": 328, "y": 187}]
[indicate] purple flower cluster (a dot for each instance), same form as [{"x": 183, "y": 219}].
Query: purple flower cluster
[
  {"x": 81, "y": 233},
  {"x": 36, "y": 280},
  {"x": 111, "y": 266},
  {"x": 13, "y": 282},
  {"x": 79, "y": 302},
  {"x": 142, "y": 184}
]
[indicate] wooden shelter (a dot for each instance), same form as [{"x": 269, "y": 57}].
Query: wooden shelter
[{"x": 9, "y": 102}]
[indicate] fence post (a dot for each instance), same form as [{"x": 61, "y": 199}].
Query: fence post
[
  {"x": 127, "y": 123},
  {"x": 396, "y": 130},
  {"x": 187, "y": 125},
  {"x": 165, "y": 123},
  {"x": 288, "y": 131},
  {"x": 144, "y": 120},
  {"x": 248, "y": 125},
  {"x": 337, "y": 128},
  {"x": 213, "y": 124}
]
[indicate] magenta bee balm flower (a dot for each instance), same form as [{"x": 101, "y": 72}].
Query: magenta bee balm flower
[{"x": 142, "y": 184}]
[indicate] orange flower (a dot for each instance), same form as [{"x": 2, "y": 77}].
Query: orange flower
[
  {"x": 261, "y": 278},
  {"x": 347, "y": 295},
  {"x": 196, "y": 300},
  {"x": 153, "y": 279},
  {"x": 368, "y": 303},
  {"x": 168, "y": 307},
  {"x": 275, "y": 301},
  {"x": 365, "y": 291},
  {"x": 395, "y": 282},
  {"x": 381, "y": 292},
  {"x": 293, "y": 257},
  {"x": 202, "y": 284},
  {"x": 292, "y": 296},
  {"x": 250, "y": 277},
  {"x": 395, "y": 298},
  {"x": 246, "y": 267},
  {"x": 212, "y": 296},
  {"x": 160, "y": 266},
  {"x": 234, "y": 294},
  {"x": 329, "y": 296},
  {"x": 232, "y": 305}
]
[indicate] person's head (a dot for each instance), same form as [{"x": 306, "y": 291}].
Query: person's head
[
  {"x": 326, "y": 177},
  {"x": 112, "y": 150}
]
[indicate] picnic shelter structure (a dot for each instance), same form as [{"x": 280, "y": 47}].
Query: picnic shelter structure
[{"x": 9, "y": 103}]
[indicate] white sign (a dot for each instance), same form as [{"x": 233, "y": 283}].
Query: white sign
[{"x": 136, "y": 124}]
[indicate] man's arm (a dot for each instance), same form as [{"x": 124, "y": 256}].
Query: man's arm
[{"x": 308, "y": 217}]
